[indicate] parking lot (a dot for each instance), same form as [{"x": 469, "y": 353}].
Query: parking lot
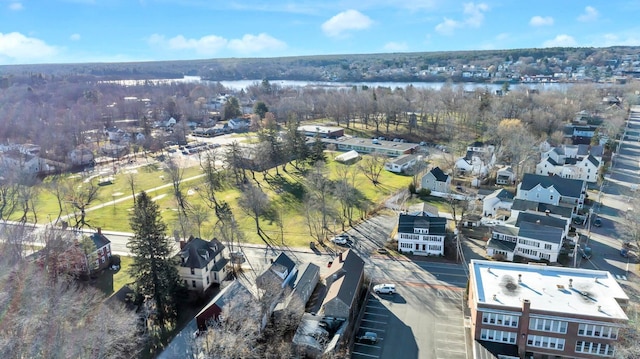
[
  {"x": 375, "y": 319},
  {"x": 432, "y": 313}
]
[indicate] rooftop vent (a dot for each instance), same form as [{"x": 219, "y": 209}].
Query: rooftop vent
[
  {"x": 570, "y": 283},
  {"x": 495, "y": 297},
  {"x": 519, "y": 278}
]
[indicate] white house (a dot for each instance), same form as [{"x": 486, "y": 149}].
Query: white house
[
  {"x": 574, "y": 162},
  {"x": 15, "y": 161},
  {"x": 531, "y": 235},
  {"x": 81, "y": 155},
  {"x": 421, "y": 233},
  {"x": 498, "y": 200},
  {"x": 202, "y": 263},
  {"x": 238, "y": 124},
  {"x": 436, "y": 181},
  {"x": 505, "y": 176},
  {"x": 480, "y": 158},
  {"x": 401, "y": 163},
  {"x": 553, "y": 190}
]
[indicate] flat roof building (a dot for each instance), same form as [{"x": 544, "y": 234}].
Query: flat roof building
[{"x": 546, "y": 311}]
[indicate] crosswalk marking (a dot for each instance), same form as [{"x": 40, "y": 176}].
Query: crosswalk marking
[{"x": 621, "y": 277}]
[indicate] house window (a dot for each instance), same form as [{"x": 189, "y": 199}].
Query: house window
[
  {"x": 193, "y": 271},
  {"x": 193, "y": 282},
  {"x": 547, "y": 246}
]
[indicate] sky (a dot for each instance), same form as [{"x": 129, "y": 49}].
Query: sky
[{"x": 74, "y": 31}]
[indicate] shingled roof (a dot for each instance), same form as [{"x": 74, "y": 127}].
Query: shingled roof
[
  {"x": 551, "y": 221},
  {"x": 197, "y": 253},
  {"x": 438, "y": 174},
  {"x": 435, "y": 224},
  {"x": 564, "y": 186},
  {"x": 345, "y": 276}
]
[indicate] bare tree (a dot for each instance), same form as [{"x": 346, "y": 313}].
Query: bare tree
[
  {"x": 255, "y": 203},
  {"x": 62, "y": 318},
  {"x": 176, "y": 174},
  {"x": 80, "y": 195},
  {"x": 371, "y": 166}
]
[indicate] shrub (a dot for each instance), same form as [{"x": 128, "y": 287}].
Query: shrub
[{"x": 424, "y": 192}]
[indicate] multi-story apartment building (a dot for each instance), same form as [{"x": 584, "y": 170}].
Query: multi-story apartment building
[
  {"x": 421, "y": 233},
  {"x": 553, "y": 190},
  {"x": 544, "y": 311}
]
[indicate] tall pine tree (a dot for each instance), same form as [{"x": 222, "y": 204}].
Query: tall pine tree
[{"x": 155, "y": 272}]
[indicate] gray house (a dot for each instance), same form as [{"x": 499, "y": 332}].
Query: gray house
[
  {"x": 436, "y": 181},
  {"x": 343, "y": 286}
]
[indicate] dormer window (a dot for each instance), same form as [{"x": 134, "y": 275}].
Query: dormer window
[{"x": 193, "y": 271}]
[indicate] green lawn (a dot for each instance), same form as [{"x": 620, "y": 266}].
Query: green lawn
[
  {"x": 285, "y": 191},
  {"x": 110, "y": 282}
]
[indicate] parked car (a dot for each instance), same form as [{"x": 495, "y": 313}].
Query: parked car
[
  {"x": 597, "y": 222},
  {"x": 578, "y": 220},
  {"x": 368, "y": 337},
  {"x": 385, "y": 289},
  {"x": 341, "y": 239},
  {"x": 382, "y": 250}
]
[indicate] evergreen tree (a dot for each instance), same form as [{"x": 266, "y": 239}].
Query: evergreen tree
[
  {"x": 155, "y": 273},
  {"x": 317, "y": 151}
]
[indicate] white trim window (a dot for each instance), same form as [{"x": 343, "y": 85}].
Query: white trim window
[
  {"x": 539, "y": 341},
  {"x": 598, "y": 331},
  {"x": 498, "y": 336},
  {"x": 548, "y": 325},
  {"x": 500, "y": 319},
  {"x": 600, "y": 349}
]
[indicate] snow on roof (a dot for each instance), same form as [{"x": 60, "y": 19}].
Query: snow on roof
[{"x": 550, "y": 289}]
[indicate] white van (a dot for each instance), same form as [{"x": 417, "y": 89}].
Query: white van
[{"x": 385, "y": 288}]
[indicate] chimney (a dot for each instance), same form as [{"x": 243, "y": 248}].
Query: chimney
[
  {"x": 340, "y": 257},
  {"x": 99, "y": 230},
  {"x": 570, "y": 283}
]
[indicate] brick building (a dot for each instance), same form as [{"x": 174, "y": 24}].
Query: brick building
[{"x": 544, "y": 311}]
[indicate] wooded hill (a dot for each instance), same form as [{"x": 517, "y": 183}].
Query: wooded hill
[{"x": 354, "y": 67}]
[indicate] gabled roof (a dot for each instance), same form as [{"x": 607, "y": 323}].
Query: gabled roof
[
  {"x": 346, "y": 277},
  {"x": 596, "y": 151},
  {"x": 558, "y": 150},
  {"x": 593, "y": 160},
  {"x": 564, "y": 186},
  {"x": 407, "y": 222},
  {"x": 541, "y": 232},
  {"x": 438, "y": 174},
  {"x": 506, "y": 169},
  {"x": 583, "y": 150},
  {"x": 524, "y": 205},
  {"x": 99, "y": 240},
  {"x": 402, "y": 159},
  {"x": 285, "y": 261},
  {"x": 502, "y": 194},
  {"x": 551, "y": 221},
  {"x": 197, "y": 253},
  {"x": 509, "y": 230},
  {"x": 501, "y": 245}
]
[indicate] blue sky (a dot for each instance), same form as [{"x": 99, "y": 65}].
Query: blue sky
[{"x": 59, "y": 31}]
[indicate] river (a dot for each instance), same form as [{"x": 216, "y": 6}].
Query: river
[{"x": 238, "y": 85}]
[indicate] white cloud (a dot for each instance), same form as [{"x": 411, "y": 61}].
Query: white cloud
[
  {"x": 206, "y": 45},
  {"x": 16, "y": 6},
  {"x": 346, "y": 21},
  {"x": 590, "y": 14},
  {"x": 16, "y": 48},
  {"x": 630, "y": 38},
  {"x": 212, "y": 44},
  {"x": 448, "y": 26},
  {"x": 252, "y": 43},
  {"x": 473, "y": 17},
  {"x": 395, "y": 46},
  {"x": 562, "y": 40},
  {"x": 74, "y": 37},
  {"x": 475, "y": 13},
  {"x": 541, "y": 21}
]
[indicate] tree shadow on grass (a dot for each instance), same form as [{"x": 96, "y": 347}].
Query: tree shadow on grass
[{"x": 281, "y": 185}]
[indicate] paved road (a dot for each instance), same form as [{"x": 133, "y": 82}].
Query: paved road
[{"x": 615, "y": 204}]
